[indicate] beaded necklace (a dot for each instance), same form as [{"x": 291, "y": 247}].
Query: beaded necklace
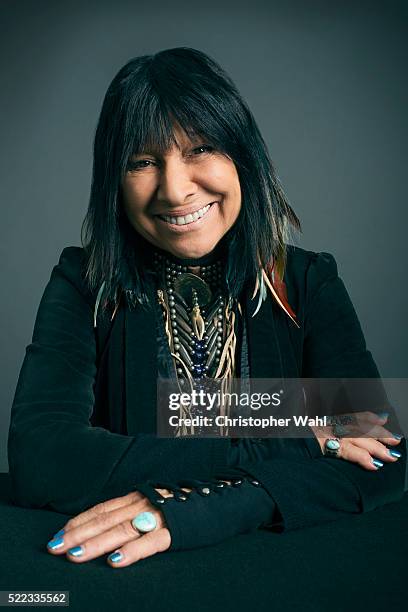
[{"x": 200, "y": 327}]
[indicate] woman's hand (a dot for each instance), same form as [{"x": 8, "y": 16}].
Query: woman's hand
[
  {"x": 107, "y": 527},
  {"x": 208, "y": 515},
  {"x": 367, "y": 444}
]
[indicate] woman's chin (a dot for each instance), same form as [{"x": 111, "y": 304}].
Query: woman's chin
[
  {"x": 190, "y": 254},
  {"x": 189, "y": 251}
]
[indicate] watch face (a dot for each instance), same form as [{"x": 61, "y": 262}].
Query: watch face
[{"x": 333, "y": 444}]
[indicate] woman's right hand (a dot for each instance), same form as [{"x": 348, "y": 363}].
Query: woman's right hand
[{"x": 368, "y": 444}]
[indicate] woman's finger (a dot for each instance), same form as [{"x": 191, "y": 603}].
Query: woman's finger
[
  {"x": 103, "y": 508},
  {"x": 378, "y": 432},
  {"x": 119, "y": 535},
  {"x": 376, "y": 449},
  {"x": 373, "y": 432},
  {"x": 95, "y": 529},
  {"x": 357, "y": 431},
  {"x": 366, "y": 452},
  {"x": 355, "y": 454},
  {"x": 390, "y": 440},
  {"x": 147, "y": 545},
  {"x": 82, "y": 550}
]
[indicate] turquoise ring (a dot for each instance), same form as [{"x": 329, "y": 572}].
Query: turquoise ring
[
  {"x": 144, "y": 522},
  {"x": 332, "y": 447}
]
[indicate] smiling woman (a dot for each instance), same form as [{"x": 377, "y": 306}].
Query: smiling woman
[
  {"x": 187, "y": 225},
  {"x": 184, "y": 200}
]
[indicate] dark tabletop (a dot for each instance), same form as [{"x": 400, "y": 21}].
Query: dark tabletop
[{"x": 338, "y": 566}]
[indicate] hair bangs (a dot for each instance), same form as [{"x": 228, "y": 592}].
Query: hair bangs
[{"x": 156, "y": 119}]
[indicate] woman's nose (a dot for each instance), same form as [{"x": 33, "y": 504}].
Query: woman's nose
[{"x": 176, "y": 182}]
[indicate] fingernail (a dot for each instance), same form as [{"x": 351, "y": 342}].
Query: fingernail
[
  {"x": 397, "y": 436},
  {"x": 59, "y": 533},
  {"x": 77, "y": 551},
  {"x": 383, "y": 415},
  {"x": 115, "y": 557},
  {"x": 377, "y": 463},
  {"x": 55, "y": 543},
  {"x": 395, "y": 453}
]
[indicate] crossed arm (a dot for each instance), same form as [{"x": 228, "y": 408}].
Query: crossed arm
[{"x": 58, "y": 461}]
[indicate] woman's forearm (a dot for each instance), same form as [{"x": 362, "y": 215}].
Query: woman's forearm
[{"x": 56, "y": 458}]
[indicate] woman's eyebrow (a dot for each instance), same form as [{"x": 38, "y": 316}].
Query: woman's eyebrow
[{"x": 155, "y": 150}]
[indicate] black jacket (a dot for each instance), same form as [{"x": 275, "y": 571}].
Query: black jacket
[{"x": 83, "y": 421}]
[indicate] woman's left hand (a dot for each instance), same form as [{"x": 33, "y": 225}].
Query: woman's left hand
[
  {"x": 366, "y": 440},
  {"x": 107, "y": 527}
]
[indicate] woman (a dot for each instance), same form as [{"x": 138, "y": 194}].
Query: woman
[{"x": 186, "y": 273}]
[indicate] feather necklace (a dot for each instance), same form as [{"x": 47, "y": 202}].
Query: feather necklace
[{"x": 271, "y": 276}]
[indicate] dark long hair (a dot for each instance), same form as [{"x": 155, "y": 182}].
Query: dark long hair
[{"x": 143, "y": 101}]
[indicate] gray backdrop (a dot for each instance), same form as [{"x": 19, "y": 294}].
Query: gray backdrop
[{"x": 327, "y": 85}]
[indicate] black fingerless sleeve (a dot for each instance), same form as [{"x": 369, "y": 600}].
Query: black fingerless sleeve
[{"x": 213, "y": 511}]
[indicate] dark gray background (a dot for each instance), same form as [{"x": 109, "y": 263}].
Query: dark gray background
[{"x": 326, "y": 82}]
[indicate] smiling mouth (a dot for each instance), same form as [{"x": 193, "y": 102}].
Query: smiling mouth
[{"x": 191, "y": 218}]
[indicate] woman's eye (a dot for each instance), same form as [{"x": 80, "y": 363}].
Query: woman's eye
[
  {"x": 139, "y": 164},
  {"x": 204, "y": 149}
]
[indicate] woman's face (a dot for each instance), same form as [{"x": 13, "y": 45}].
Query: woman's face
[{"x": 185, "y": 200}]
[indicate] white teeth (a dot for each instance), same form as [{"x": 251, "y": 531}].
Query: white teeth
[{"x": 188, "y": 218}]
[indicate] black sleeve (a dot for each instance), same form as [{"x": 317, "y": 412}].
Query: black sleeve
[
  {"x": 56, "y": 458},
  {"x": 316, "y": 490},
  {"x": 213, "y": 510},
  {"x": 311, "y": 490}
]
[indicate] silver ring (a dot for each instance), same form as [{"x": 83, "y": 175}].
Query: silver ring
[
  {"x": 332, "y": 447},
  {"x": 144, "y": 522}
]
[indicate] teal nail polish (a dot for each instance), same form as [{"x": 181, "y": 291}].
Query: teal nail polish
[
  {"x": 59, "y": 533},
  {"x": 55, "y": 543},
  {"x": 115, "y": 557},
  {"x": 394, "y": 453},
  {"x": 77, "y": 551},
  {"x": 397, "y": 436},
  {"x": 383, "y": 415},
  {"x": 377, "y": 463}
]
